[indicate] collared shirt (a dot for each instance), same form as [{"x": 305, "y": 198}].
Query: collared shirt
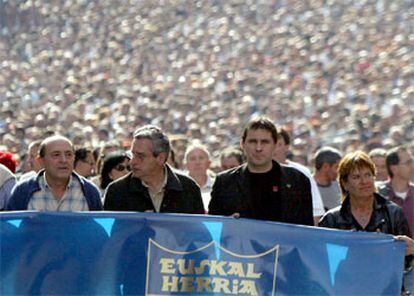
[
  {"x": 205, "y": 189},
  {"x": 157, "y": 197},
  {"x": 206, "y": 192},
  {"x": 385, "y": 189},
  {"x": 72, "y": 200}
]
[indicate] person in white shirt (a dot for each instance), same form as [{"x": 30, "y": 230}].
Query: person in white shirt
[
  {"x": 197, "y": 162},
  {"x": 281, "y": 151}
]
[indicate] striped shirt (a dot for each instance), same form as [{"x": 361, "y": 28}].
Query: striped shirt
[{"x": 72, "y": 200}]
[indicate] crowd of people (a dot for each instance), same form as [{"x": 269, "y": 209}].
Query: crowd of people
[
  {"x": 333, "y": 72},
  {"x": 93, "y": 79}
]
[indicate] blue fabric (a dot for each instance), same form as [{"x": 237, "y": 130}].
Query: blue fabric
[
  {"x": 106, "y": 253},
  {"x": 23, "y": 191},
  {"x": 5, "y": 191}
]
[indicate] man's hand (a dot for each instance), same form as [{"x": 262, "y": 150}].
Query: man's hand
[
  {"x": 409, "y": 244},
  {"x": 235, "y": 215}
]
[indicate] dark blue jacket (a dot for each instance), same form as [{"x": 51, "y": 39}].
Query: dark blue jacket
[{"x": 23, "y": 192}]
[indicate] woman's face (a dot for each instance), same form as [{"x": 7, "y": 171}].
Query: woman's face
[
  {"x": 120, "y": 170},
  {"x": 360, "y": 183}
]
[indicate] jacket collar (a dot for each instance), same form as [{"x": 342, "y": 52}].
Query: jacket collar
[
  {"x": 379, "y": 202},
  {"x": 36, "y": 179},
  {"x": 173, "y": 182}
]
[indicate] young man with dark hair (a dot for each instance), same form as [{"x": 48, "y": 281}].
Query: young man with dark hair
[
  {"x": 231, "y": 157},
  {"x": 262, "y": 188},
  {"x": 378, "y": 156},
  {"x": 326, "y": 164}
]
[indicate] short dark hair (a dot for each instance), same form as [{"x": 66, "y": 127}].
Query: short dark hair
[
  {"x": 110, "y": 161},
  {"x": 393, "y": 158},
  {"x": 81, "y": 153},
  {"x": 260, "y": 122},
  {"x": 160, "y": 141},
  {"x": 328, "y": 155},
  {"x": 233, "y": 151},
  {"x": 351, "y": 161},
  {"x": 283, "y": 133}
]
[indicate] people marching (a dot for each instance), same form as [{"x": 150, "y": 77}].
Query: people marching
[{"x": 169, "y": 120}]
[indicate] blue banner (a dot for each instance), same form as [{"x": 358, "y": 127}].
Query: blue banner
[{"x": 106, "y": 253}]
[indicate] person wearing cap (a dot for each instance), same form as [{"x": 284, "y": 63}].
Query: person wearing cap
[{"x": 152, "y": 185}]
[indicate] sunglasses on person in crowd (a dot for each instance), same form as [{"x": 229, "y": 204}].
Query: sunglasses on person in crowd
[{"x": 121, "y": 167}]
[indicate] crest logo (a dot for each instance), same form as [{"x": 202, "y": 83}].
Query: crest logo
[{"x": 210, "y": 270}]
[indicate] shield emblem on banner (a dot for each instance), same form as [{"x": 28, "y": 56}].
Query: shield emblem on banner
[{"x": 210, "y": 270}]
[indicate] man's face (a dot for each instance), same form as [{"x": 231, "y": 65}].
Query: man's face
[
  {"x": 229, "y": 162},
  {"x": 332, "y": 170},
  {"x": 86, "y": 167},
  {"x": 58, "y": 160},
  {"x": 381, "y": 167},
  {"x": 259, "y": 148},
  {"x": 281, "y": 150},
  {"x": 34, "y": 164},
  {"x": 143, "y": 162},
  {"x": 404, "y": 169},
  {"x": 197, "y": 161}
]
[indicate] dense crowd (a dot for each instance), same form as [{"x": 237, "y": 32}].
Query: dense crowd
[{"x": 332, "y": 72}]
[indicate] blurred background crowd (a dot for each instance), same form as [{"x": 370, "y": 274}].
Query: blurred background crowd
[{"x": 332, "y": 72}]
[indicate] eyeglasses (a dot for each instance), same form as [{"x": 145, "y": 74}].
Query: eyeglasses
[{"x": 121, "y": 167}]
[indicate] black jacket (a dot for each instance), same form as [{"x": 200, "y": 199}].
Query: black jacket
[
  {"x": 387, "y": 218},
  {"x": 182, "y": 195},
  {"x": 232, "y": 194}
]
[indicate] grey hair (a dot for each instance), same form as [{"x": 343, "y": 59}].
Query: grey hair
[
  {"x": 196, "y": 145},
  {"x": 160, "y": 141}
]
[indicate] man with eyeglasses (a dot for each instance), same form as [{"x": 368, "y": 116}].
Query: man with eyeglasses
[
  {"x": 398, "y": 189},
  {"x": 152, "y": 185},
  {"x": 56, "y": 187}
]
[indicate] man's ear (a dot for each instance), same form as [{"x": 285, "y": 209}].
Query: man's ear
[
  {"x": 242, "y": 144},
  {"x": 39, "y": 160},
  {"x": 162, "y": 157}
]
